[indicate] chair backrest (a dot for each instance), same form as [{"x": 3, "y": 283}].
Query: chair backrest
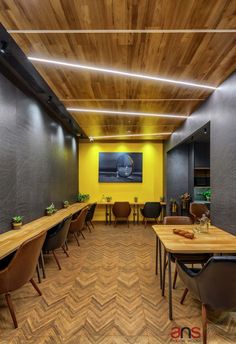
[
  {"x": 78, "y": 224},
  {"x": 22, "y": 267},
  {"x": 177, "y": 220},
  {"x": 90, "y": 212},
  {"x": 217, "y": 283},
  {"x": 121, "y": 209},
  {"x": 152, "y": 209},
  {"x": 58, "y": 238},
  {"x": 198, "y": 209}
]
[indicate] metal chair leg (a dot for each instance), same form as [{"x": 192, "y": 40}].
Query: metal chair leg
[
  {"x": 204, "y": 324},
  {"x": 175, "y": 277},
  {"x": 56, "y": 259},
  {"x": 35, "y": 286},
  {"x": 64, "y": 249},
  {"x": 11, "y": 309},
  {"x": 38, "y": 272},
  {"x": 42, "y": 264},
  {"x": 183, "y": 296},
  {"x": 76, "y": 239}
]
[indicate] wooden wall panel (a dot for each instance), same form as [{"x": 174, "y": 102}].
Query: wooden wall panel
[{"x": 38, "y": 158}]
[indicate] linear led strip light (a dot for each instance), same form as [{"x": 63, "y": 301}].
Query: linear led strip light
[
  {"x": 126, "y": 113},
  {"x": 92, "y": 138},
  {"x": 118, "y": 72}
]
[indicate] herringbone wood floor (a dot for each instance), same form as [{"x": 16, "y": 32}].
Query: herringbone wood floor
[{"x": 107, "y": 292}]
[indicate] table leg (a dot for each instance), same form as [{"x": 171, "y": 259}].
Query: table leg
[
  {"x": 110, "y": 214},
  {"x": 134, "y": 213},
  {"x": 160, "y": 263},
  {"x": 137, "y": 213},
  {"x": 157, "y": 243},
  {"x": 106, "y": 214},
  {"x": 170, "y": 287}
]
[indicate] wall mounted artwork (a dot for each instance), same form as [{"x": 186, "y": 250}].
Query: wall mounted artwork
[{"x": 120, "y": 167}]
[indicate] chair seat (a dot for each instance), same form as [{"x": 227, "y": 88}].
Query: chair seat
[{"x": 191, "y": 258}]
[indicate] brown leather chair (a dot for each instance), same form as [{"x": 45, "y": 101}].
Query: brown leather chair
[
  {"x": 56, "y": 238},
  {"x": 121, "y": 210},
  {"x": 197, "y": 210},
  {"x": 214, "y": 285},
  {"x": 21, "y": 270},
  {"x": 78, "y": 225},
  {"x": 187, "y": 258}
]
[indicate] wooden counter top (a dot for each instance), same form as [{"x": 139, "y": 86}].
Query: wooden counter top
[{"x": 11, "y": 240}]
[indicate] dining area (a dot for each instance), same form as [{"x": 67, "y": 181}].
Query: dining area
[{"x": 117, "y": 172}]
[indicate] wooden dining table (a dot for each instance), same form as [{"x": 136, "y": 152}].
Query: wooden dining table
[
  {"x": 216, "y": 241},
  {"x": 11, "y": 240}
]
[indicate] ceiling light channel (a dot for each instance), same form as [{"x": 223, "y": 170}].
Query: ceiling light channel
[
  {"x": 126, "y": 113},
  {"x": 118, "y": 72}
]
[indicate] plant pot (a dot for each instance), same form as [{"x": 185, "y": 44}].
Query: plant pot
[
  {"x": 208, "y": 199},
  {"x": 136, "y": 199},
  {"x": 66, "y": 206},
  {"x": 49, "y": 214},
  {"x": 17, "y": 225},
  {"x": 173, "y": 207}
]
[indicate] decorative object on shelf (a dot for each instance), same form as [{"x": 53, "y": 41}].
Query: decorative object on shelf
[
  {"x": 185, "y": 202},
  {"x": 173, "y": 206},
  {"x": 82, "y": 197},
  {"x": 66, "y": 204},
  {"x": 135, "y": 199},
  {"x": 162, "y": 199},
  {"x": 17, "y": 222},
  {"x": 50, "y": 210},
  {"x": 207, "y": 194},
  {"x": 108, "y": 198}
]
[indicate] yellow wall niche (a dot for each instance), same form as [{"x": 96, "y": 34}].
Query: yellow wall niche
[{"x": 151, "y": 189}]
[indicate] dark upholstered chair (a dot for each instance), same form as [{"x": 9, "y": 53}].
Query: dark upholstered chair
[
  {"x": 214, "y": 285},
  {"x": 151, "y": 210},
  {"x": 56, "y": 238},
  {"x": 21, "y": 270},
  {"x": 89, "y": 216},
  {"x": 197, "y": 210},
  {"x": 121, "y": 211},
  {"x": 186, "y": 258},
  {"x": 77, "y": 225}
]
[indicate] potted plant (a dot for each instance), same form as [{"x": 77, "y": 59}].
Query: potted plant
[
  {"x": 66, "y": 204},
  {"x": 17, "y": 222},
  {"x": 207, "y": 195},
  {"x": 108, "y": 198},
  {"x": 50, "y": 210},
  {"x": 82, "y": 197}
]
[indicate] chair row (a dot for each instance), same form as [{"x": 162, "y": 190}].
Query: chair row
[
  {"x": 122, "y": 210},
  {"x": 18, "y": 268}
]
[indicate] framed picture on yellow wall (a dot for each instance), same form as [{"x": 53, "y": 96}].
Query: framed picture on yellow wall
[{"x": 120, "y": 167}]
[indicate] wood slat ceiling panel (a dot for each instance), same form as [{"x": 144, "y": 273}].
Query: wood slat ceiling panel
[
  {"x": 118, "y": 14},
  {"x": 198, "y": 57}
]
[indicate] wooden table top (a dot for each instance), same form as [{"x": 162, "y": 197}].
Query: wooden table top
[
  {"x": 131, "y": 203},
  {"x": 216, "y": 241},
  {"x": 11, "y": 240}
]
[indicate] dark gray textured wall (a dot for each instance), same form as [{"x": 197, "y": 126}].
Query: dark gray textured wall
[
  {"x": 38, "y": 158},
  {"x": 177, "y": 172},
  {"x": 220, "y": 110}
]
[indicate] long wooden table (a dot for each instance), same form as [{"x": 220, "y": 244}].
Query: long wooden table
[
  {"x": 11, "y": 240},
  {"x": 136, "y": 210},
  {"x": 216, "y": 241}
]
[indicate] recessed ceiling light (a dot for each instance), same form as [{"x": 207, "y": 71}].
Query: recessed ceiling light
[
  {"x": 119, "y": 72},
  {"x": 91, "y": 138},
  {"x": 127, "y": 113}
]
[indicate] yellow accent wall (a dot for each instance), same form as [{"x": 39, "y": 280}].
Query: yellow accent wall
[{"x": 151, "y": 189}]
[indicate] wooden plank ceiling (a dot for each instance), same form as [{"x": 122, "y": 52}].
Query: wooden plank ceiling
[{"x": 207, "y": 56}]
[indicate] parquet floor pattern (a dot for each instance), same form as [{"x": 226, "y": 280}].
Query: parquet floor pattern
[{"x": 107, "y": 292}]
